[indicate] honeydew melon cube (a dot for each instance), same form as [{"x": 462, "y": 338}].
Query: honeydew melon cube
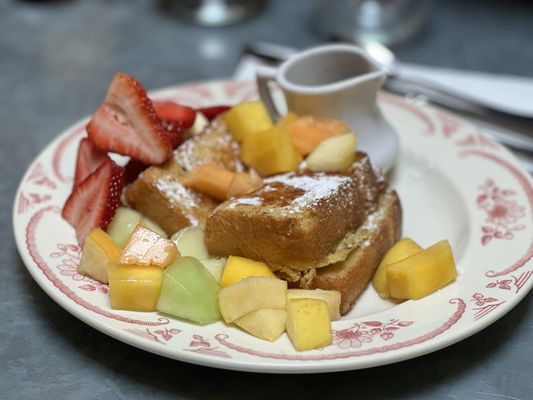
[{"x": 189, "y": 292}]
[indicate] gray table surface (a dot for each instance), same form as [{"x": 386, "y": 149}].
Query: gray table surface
[{"x": 56, "y": 59}]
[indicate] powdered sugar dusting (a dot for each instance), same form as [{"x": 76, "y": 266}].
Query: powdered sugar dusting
[
  {"x": 314, "y": 188},
  {"x": 179, "y": 194},
  {"x": 249, "y": 201}
]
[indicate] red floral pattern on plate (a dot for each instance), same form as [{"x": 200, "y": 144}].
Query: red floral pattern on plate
[
  {"x": 503, "y": 212},
  {"x": 69, "y": 267},
  {"x": 484, "y": 304},
  {"x": 363, "y": 332},
  {"x": 201, "y": 345},
  {"x": 155, "y": 335},
  {"x": 517, "y": 281}
]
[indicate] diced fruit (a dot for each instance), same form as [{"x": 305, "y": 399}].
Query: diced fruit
[
  {"x": 190, "y": 292},
  {"x": 200, "y": 123},
  {"x": 308, "y": 324},
  {"x": 212, "y": 112},
  {"x": 240, "y": 268},
  {"x": 134, "y": 287},
  {"x": 401, "y": 250},
  {"x": 93, "y": 202},
  {"x": 243, "y": 183},
  {"x": 246, "y": 118},
  {"x": 98, "y": 252},
  {"x": 146, "y": 247},
  {"x": 422, "y": 273},
  {"x": 334, "y": 154},
  {"x": 190, "y": 242},
  {"x": 126, "y": 123},
  {"x": 147, "y": 222},
  {"x": 210, "y": 180},
  {"x": 308, "y": 131},
  {"x": 175, "y": 118},
  {"x": 88, "y": 160},
  {"x": 215, "y": 265},
  {"x": 251, "y": 294},
  {"x": 270, "y": 152},
  {"x": 264, "y": 323},
  {"x": 122, "y": 225},
  {"x": 331, "y": 297}
]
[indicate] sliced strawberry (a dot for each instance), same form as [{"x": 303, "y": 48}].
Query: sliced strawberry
[
  {"x": 212, "y": 112},
  {"x": 132, "y": 170},
  {"x": 89, "y": 159},
  {"x": 126, "y": 123},
  {"x": 94, "y": 201},
  {"x": 175, "y": 117}
]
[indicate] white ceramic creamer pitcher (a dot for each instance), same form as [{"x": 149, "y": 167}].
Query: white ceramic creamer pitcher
[{"x": 338, "y": 81}]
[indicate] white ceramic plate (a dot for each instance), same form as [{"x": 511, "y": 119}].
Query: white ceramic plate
[{"x": 454, "y": 182}]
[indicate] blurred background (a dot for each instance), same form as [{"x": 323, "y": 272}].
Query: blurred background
[{"x": 56, "y": 61}]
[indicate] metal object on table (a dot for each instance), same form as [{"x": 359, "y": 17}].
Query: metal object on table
[
  {"x": 213, "y": 12},
  {"x": 385, "y": 21}
]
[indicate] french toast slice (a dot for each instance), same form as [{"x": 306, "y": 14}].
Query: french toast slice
[
  {"x": 371, "y": 241},
  {"x": 300, "y": 220},
  {"x": 158, "y": 192}
]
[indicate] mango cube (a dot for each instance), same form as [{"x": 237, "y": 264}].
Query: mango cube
[
  {"x": 422, "y": 273},
  {"x": 251, "y": 294},
  {"x": 401, "y": 250},
  {"x": 336, "y": 153},
  {"x": 264, "y": 323},
  {"x": 246, "y": 118},
  {"x": 239, "y": 268},
  {"x": 99, "y": 250},
  {"x": 146, "y": 247},
  {"x": 308, "y": 324},
  {"x": 331, "y": 297},
  {"x": 270, "y": 152},
  {"x": 134, "y": 287}
]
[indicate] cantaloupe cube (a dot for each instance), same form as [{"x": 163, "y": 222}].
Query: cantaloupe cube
[
  {"x": 308, "y": 324},
  {"x": 308, "y": 131},
  {"x": 246, "y": 118},
  {"x": 270, "y": 152},
  {"x": 243, "y": 183},
  {"x": 210, "y": 180},
  {"x": 422, "y": 273},
  {"x": 240, "y": 268},
  {"x": 99, "y": 250},
  {"x": 134, "y": 287},
  {"x": 264, "y": 323},
  {"x": 401, "y": 250},
  {"x": 146, "y": 247}
]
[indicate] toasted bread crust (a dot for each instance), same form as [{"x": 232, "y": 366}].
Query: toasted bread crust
[
  {"x": 295, "y": 220},
  {"x": 158, "y": 193},
  {"x": 351, "y": 277}
]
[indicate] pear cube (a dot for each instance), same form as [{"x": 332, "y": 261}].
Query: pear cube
[
  {"x": 264, "y": 323},
  {"x": 334, "y": 154},
  {"x": 331, "y": 297},
  {"x": 254, "y": 292},
  {"x": 99, "y": 250}
]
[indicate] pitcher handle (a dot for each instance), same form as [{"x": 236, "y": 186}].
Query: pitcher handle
[{"x": 265, "y": 75}]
